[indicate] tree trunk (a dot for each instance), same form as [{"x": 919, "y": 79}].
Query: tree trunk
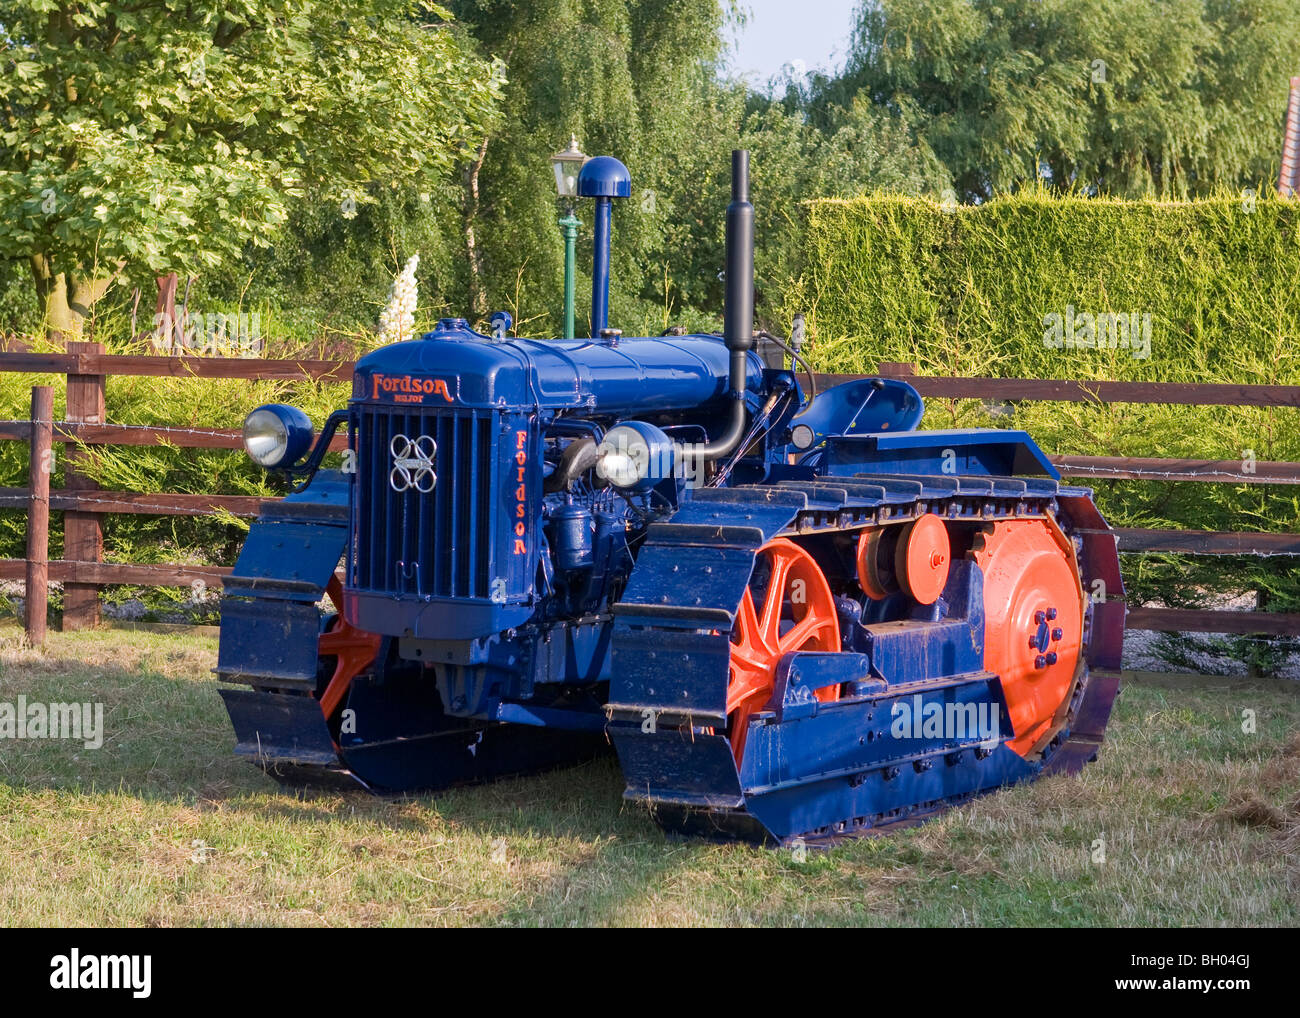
[
  {"x": 62, "y": 324},
  {"x": 86, "y": 292},
  {"x": 66, "y": 299},
  {"x": 52, "y": 297},
  {"x": 477, "y": 298}
]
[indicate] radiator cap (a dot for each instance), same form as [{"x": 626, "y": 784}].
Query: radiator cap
[{"x": 450, "y": 325}]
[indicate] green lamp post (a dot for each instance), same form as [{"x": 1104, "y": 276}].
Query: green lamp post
[{"x": 567, "y": 164}]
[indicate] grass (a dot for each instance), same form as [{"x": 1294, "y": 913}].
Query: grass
[{"x": 163, "y": 827}]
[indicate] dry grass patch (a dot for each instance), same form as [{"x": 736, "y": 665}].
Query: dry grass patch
[{"x": 164, "y": 827}]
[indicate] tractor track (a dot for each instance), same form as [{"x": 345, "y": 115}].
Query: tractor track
[
  {"x": 675, "y": 619},
  {"x": 672, "y": 649}
]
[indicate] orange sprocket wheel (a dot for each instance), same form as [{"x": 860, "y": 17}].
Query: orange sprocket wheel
[
  {"x": 797, "y": 613},
  {"x": 355, "y": 651},
  {"x": 1033, "y": 621}
]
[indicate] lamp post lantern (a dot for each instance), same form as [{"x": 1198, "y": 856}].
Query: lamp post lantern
[{"x": 567, "y": 165}]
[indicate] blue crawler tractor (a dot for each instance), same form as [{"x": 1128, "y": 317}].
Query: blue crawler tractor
[{"x": 791, "y": 616}]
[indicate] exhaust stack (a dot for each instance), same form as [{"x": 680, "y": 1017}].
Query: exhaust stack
[{"x": 738, "y": 312}]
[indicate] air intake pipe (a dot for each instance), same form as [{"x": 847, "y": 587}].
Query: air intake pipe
[{"x": 738, "y": 313}]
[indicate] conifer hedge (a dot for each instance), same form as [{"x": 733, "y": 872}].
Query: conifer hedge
[{"x": 1042, "y": 286}]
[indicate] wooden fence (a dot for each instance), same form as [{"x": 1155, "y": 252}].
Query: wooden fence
[{"x": 86, "y": 367}]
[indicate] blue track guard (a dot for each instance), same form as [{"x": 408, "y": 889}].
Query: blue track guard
[
  {"x": 295, "y": 545},
  {"x": 863, "y": 406}
]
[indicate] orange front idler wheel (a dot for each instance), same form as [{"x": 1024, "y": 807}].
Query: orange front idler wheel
[
  {"x": 1033, "y": 621},
  {"x": 797, "y": 613},
  {"x": 354, "y": 648}
]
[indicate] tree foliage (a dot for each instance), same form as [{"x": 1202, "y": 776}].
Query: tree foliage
[
  {"x": 161, "y": 136},
  {"x": 621, "y": 75},
  {"x": 297, "y": 154},
  {"x": 644, "y": 80},
  {"x": 1169, "y": 97}
]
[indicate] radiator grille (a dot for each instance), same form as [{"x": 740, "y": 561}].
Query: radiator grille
[{"x": 437, "y": 543}]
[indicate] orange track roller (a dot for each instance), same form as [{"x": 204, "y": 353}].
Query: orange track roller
[{"x": 923, "y": 557}]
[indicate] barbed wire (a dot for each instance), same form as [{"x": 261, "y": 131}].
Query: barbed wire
[
  {"x": 169, "y": 429},
  {"x": 1077, "y": 470},
  {"x": 81, "y": 498},
  {"x": 170, "y": 510},
  {"x": 1142, "y": 474}
]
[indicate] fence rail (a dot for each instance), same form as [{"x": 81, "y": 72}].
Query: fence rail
[
  {"x": 87, "y": 368},
  {"x": 1069, "y": 391},
  {"x": 96, "y": 362}
]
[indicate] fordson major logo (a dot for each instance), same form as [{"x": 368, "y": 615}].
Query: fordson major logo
[
  {"x": 413, "y": 463},
  {"x": 408, "y": 388}
]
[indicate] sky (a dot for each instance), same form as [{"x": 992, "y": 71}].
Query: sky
[{"x": 781, "y": 32}]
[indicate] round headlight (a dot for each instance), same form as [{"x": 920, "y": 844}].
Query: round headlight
[
  {"x": 636, "y": 456},
  {"x": 276, "y": 435},
  {"x": 803, "y": 437}
]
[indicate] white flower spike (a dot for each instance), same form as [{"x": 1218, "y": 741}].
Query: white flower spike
[{"x": 397, "y": 322}]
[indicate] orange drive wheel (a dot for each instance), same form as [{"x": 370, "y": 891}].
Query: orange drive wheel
[
  {"x": 923, "y": 557},
  {"x": 1033, "y": 621},
  {"x": 354, "y": 648},
  {"x": 787, "y": 606}
]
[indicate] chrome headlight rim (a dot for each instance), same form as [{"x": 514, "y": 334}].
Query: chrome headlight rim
[
  {"x": 635, "y": 456},
  {"x": 276, "y": 435}
]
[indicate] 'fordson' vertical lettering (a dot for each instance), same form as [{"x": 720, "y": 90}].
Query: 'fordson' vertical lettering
[{"x": 521, "y": 491}]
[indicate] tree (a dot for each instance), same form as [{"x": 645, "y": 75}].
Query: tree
[
  {"x": 1175, "y": 97},
  {"x": 157, "y": 136},
  {"x": 621, "y": 75},
  {"x": 643, "y": 80},
  {"x": 639, "y": 79},
  {"x": 849, "y": 151}
]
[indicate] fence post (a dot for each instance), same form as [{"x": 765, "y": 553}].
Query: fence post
[
  {"x": 83, "y": 538},
  {"x": 896, "y": 369},
  {"x": 1288, "y": 181},
  {"x": 36, "y": 602}
]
